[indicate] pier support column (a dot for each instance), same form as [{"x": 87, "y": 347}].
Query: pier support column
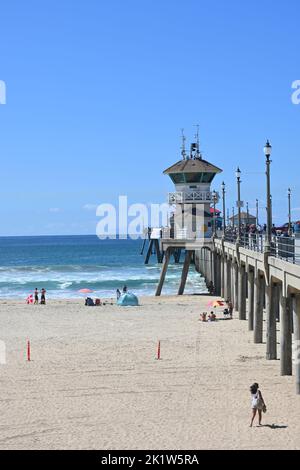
[
  {"x": 218, "y": 274},
  {"x": 185, "y": 270},
  {"x": 250, "y": 300},
  {"x": 163, "y": 271},
  {"x": 285, "y": 336},
  {"x": 242, "y": 293},
  {"x": 271, "y": 300},
  {"x": 258, "y": 309},
  {"x": 232, "y": 282},
  {"x": 229, "y": 280},
  {"x": 296, "y": 315},
  {"x": 225, "y": 279},
  {"x": 222, "y": 276},
  {"x": 236, "y": 287}
]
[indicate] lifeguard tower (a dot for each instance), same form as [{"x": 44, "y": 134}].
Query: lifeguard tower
[{"x": 191, "y": 225}]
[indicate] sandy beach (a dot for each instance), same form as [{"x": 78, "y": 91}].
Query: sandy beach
[{"x": 94, "y": 383}]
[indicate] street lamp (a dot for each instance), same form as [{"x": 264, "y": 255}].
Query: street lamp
[
  {"x": 215, "y": 200},
  {"x": 247, "y": 214},
  {"x": 238, "y": 179},
  {"x": 256, "y": 212},
  {"x": 290, "y": 215},
  {"x": 268, "y": 151},
  {"x": 224, "y": 207}
]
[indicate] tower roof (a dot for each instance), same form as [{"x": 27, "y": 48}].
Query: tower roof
[{"x": 192, "y": 165}]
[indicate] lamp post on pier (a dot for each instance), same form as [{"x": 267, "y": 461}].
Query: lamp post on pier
[
  {"x": 224, "y": 208},
  {"x": 268, "y": 151},
  {"x": 290, "y": 212},
  {"x": 247, "y": 214},
  {"x": 215, "y": 200},
  {"x": 257, "y": 223},
  {"x": 238, "y": 179}
]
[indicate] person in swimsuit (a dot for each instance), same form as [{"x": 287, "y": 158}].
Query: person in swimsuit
[
  {"x": 257, "y": 403},
  {"x": 43, "y": 297},
  {"x": 36, "y": 296}
]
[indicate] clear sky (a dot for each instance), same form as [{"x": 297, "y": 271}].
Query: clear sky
[{"x": 97, "y": 92}]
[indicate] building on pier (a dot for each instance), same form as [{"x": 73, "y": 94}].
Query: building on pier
[{"x": 191, "y": 225}]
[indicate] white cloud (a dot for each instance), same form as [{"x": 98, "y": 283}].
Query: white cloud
[{"x": 54, "y": 209}]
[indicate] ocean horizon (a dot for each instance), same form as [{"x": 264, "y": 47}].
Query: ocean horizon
[{"x": 64, "y": 264}]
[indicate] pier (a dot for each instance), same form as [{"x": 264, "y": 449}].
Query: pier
[{"x": 258, "y": 273}]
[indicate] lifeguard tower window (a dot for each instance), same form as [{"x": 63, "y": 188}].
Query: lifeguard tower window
[{"x": 178, "y": 178}]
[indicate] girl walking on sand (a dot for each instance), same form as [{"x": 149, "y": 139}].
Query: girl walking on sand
[{"x": 257, "y": 402}]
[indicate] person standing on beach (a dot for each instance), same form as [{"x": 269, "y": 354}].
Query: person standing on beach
[
  {"x": 257, "y": 402},
  {"x": 43, "y": 296},
  {"x": 36, "y": 296},
  {"x": 230, "y": 308}
]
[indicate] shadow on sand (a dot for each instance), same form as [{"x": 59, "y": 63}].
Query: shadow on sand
[{"x": 272, "y": 426}]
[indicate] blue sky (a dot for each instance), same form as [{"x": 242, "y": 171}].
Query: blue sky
[{"x": 97, "y": 92}]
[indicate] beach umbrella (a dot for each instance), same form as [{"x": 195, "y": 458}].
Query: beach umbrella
[
  {"x": 216, "y": 303},
  {"x": 85, "y": 291},
  {"x": 29, "y": 299}
]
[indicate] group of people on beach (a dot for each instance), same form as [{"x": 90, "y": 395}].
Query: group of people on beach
[
  {"x": 36, "y": 297},
  {"x": 119, "y": 293},
  {"x": 227, "y": 312}
]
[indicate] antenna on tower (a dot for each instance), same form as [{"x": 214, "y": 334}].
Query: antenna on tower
[
  {"x": 198, "y": 153},
  {"x": 183, "y": 151}
]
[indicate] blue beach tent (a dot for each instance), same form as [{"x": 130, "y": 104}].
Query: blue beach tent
[{"x": 128, "y": 299}]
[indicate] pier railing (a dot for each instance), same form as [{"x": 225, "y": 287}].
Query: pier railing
[
  {"x": 286, "y": 248},
  {"x": 181, "y": 197}
]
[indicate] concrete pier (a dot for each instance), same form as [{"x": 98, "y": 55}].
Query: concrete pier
[{"x": 240, "y": 274}]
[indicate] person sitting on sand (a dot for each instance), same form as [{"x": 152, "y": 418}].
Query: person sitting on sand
[
  {"x": 257, "y": 402},
  {"x": 36, "y": 296},
  {"x": 212, "y": 316},
  {"x": 225, "y": 312},
  {"x": 211, "y": 288},
  {"x": 43, "y": 296},
  {"x": 203, "y": 316},
  {"x": 118, "y": 293}
]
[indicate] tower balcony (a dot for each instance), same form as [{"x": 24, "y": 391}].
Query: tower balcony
[{"x": 190, "y": 197}]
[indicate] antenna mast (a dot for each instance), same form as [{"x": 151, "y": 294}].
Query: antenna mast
[
  {"x": 198, "y": 153},
  {"x": 183, "y": 151}
]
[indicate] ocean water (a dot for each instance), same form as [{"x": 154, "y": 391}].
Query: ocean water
[{"x": 65, "y": 264}]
